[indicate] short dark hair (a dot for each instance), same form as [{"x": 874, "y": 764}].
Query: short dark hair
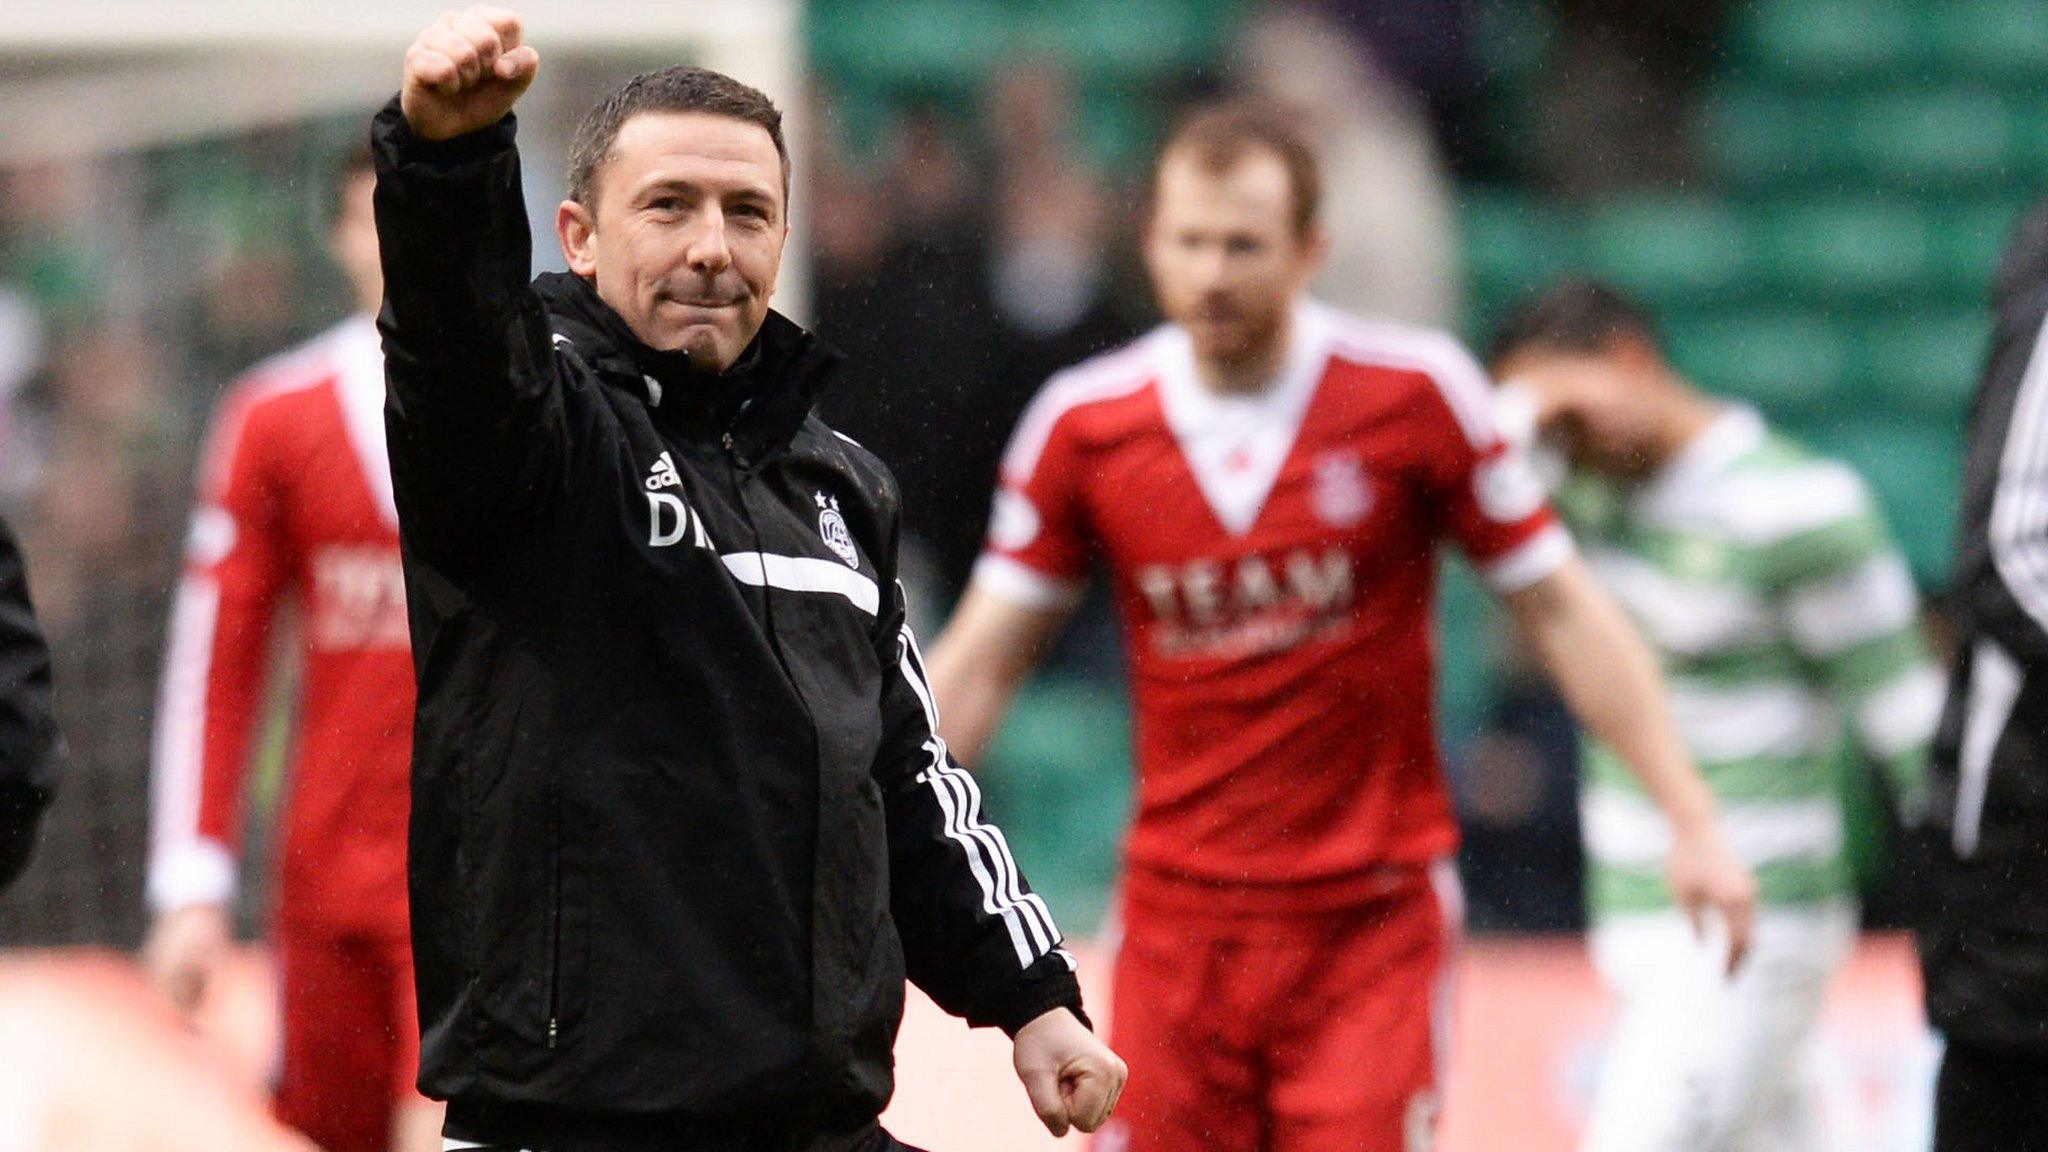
[
  {"x": 1576, "y": 315},
  {"x": 678, "y": 88},
  {"x": 1219, "y": 136}
]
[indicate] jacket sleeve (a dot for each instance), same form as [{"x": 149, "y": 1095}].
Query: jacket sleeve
[
  {"x": 31, "y": 751},
  {"x": 975, "y": 937},
  {"x": 473, "y": 397},
  {"x": 211, "y": 698}
]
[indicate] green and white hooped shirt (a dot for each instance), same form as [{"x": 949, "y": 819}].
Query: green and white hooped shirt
[{"x": 1787, "y": 623}]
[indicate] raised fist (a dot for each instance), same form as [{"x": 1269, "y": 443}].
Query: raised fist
[{"x": 465, "y": 72}]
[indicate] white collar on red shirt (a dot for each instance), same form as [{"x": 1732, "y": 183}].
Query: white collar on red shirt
[
  {"x": 1235, "y": 444},
  {"x": 359, "y": 355}
]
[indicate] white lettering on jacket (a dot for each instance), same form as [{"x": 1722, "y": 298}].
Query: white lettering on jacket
[{"x": 670, "y": 521}]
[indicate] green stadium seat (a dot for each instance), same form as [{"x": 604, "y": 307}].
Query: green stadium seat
[
  {"x": 1925, "y": 364},
  {"x": 1914, "y": 465},
  {"x": 1512, "y": 243},
  {"x": 909, "y": 44},
  {"x": 1845, "y": 249},
  {"x": 1469, "y": 656},
  {"x": 1933, "y": 139},
  {"x": 1058, "y": 780},
  {"x": 1968, "y": 239},
  {"x": 1783, "y": 363},
  {"x": 1125, "y": 40},
  {"x": 1117, "y": 128},
  {"x": 2028, "y": 115},
  {"x": 1670, "y": 250},
  {"x": 1988, "y": 39},
  {"x": 1826, "y": 39},
  {"x": 1754, "y": 137}
]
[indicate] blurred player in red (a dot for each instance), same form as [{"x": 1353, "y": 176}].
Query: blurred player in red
[
  {"x": 294, "y": 505},
  {"x": 1267, "y": 481}
]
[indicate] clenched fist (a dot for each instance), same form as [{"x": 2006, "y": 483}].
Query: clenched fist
[
  {"x": 465, "y": 72},
  {"x": 1073, "y": 1078}
]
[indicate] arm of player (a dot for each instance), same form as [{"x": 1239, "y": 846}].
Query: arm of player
[
  {"x": 210, "y": 703},
  {"x": 1850, "y": 610},
  {"x": 1610, "y": 681},
  {"x": 989, "y": 649},
  {"x": 975, "y": 936},
  {"x": 31, "y": 752},
  {"x": 473, "y": 404}
]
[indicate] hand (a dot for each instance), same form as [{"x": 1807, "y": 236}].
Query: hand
[
  {"x": 184, "y": 952},
  {"x": 1704, "y": 873},
  {"x": 1073, "y": 1078},
  {"x": 465, "y": 72}
]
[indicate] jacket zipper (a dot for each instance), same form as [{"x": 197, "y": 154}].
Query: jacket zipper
[
  {"x": 737, "y": 480},
  {"x": 555, "y": 914}
]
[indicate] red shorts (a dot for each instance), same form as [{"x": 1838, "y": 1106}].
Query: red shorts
[
  {"x": 1299, "y": 1033},
  {"x": 351, "y": 1037}
]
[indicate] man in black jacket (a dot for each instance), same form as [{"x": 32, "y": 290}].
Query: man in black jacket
[
  {"x": 31, "y": 752},
  {"x": 1985, "y": 946},
  {"x": 682, "y": 820}
]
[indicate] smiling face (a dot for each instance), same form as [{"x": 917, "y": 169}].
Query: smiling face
[
  {"x": 683, "y": 232},
  {"x": 1227, "y": 254}
]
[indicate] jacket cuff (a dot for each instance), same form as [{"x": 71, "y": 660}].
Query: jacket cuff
[
  {"x": 395, "y": 142},
  {"x": 1037, "y": 990}
]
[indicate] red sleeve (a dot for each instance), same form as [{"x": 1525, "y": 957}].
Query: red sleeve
[
  {"x": 1487, "y": 496},
  {"x": 212, "y": 694},
  {"x": 1037, "y": 553}
]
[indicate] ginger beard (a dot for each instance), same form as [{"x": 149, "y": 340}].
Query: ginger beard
[{"x": 1228, "y": 257}]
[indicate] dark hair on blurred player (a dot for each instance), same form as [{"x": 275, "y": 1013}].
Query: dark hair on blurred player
[{"x": 1577, "y": 315}]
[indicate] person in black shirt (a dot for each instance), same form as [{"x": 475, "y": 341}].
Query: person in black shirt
[
  {"x": 682, "y": 818},
  {"x": 1984, "y": 943}
]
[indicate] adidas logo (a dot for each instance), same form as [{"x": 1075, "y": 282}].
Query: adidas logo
[{"x": 663, "y": 474}]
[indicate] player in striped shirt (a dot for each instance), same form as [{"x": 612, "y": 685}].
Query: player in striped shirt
[{"x": 1787, "y": 623}]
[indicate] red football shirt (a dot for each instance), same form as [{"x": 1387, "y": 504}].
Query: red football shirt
[
  {"x": 294, "y": 505},
  {"x": 1274, "y": 560}
]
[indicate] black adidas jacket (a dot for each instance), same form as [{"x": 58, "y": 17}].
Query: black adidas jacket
[
  {"x": 681, "y": 821},
  {"x": 1984, "y": 946},
  {"x": 31, "y": 753}
]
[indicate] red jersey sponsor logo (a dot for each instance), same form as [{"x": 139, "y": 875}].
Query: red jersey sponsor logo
[
  {"x": 1250, "y": 605},
  {"x": 358, "y": 598}
]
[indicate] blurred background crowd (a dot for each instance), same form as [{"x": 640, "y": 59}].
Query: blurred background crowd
[{"x": 1812, "y": 193}]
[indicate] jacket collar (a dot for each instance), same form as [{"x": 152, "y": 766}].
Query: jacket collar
[{"x": 761, "y": 400}]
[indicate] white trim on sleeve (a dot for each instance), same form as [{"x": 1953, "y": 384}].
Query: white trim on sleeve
[
  {"x": 184, "y": 867},
  {"x": 197, "y": 871},
  {"x": 1536, "y": 558},
  {"x": 1025, "y": 586}
]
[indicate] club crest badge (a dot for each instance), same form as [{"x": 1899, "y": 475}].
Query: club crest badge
[
  {"x": 832, "y": 528},
  {"x": 1342, "y": 494}
]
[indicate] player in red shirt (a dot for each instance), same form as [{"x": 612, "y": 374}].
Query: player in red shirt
[
  {"x": 1266, "y": 481},
  {"x": 294, "y": 505}
]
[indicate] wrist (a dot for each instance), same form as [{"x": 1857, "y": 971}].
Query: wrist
[{"x": 1690, "y": 808}]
